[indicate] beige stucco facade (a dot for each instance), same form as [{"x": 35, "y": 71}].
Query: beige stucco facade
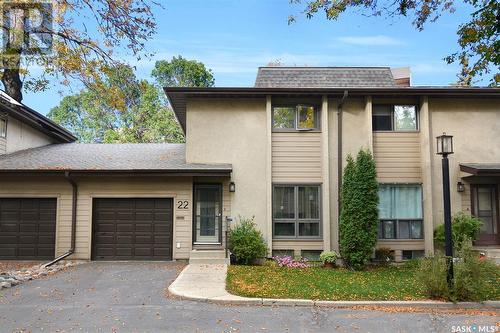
[{"x": 238, "y": 131}]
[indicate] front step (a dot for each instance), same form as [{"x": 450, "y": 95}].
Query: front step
[{"x": 208, "y": 257}]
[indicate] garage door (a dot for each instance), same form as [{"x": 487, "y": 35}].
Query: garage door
[
  {"x": 132, "y": 229},
  {"x": 27, "y": 228}
]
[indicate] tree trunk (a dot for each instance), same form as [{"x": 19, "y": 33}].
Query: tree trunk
[
  {"x": 11, "y": 55},
  {"x": 12, "y": 83}
]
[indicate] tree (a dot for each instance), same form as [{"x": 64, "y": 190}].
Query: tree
[
  {"x": 478, "y": 39},
  {"x": 118, "y": 108},
  {"x": 180, "y": 72},
  {"x": 359, "y": 210},
  {"x": 75, "y": 40}
]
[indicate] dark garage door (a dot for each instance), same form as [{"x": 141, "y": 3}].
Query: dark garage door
[
  {"x": 132, "y": 229},
  {"x": 27, "y": 228}
]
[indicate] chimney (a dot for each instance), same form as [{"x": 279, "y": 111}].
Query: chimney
[{"x": 402, "y": 76}]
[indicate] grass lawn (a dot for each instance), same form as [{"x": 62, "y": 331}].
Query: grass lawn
[{"x": 317, "y": 283}]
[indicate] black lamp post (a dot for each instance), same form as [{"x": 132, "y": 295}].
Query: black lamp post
[{"x": 444, "y": 148}]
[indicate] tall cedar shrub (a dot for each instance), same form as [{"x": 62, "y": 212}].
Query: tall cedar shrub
[{"x": 359, "y": 210}]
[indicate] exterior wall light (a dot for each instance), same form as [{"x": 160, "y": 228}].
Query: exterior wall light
[
  {"x": 460, "y": 187},
  {"x": 232, "y": 187}
]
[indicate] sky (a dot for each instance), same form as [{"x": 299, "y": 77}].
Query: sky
[{"x": 234, "y": 37}]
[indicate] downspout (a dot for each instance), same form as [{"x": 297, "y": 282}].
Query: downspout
[
  {"x": 339, "y": 147},
  {"x": 73, "y": 221}
]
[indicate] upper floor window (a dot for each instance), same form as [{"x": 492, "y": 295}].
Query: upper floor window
[
  {"x": 398, "y": 118},
  {"x": 301, "y": 117},
  {"x": 3, "y": 128},
  {"x": 400, "y": 212},
  {"x": 296, "y": 211}
]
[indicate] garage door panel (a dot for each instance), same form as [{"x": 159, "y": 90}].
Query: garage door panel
[
  {"x": 143, "y": 227},
  {"x": 8, "y": 252},
  {"x": 125, "y": 252},
  {"x": 9, "y": 227},
  {"x": 143, "y": 239},
  {"x": 28, "y": 239},
  {"x": 48, "y": 239},
  {"x": 140, "y": 230},
  {"x": 45, "y": 251},
  {"x": 106, "y": 215},
  {"x": 28, "y": 227},
  {"x": 105, "y": 227},
  {"x": 45, "y": 227},
  {"x": 125, "y": 227},
  {"x": 9, "y": 216},
  {"x": 143, "y": 251},
  {"x": 144, "y": 216},
  {"x": 124, "y": 239}
]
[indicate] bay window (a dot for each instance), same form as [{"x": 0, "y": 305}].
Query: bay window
[
  {"x": 296, "y": 211},
  {"x": 400, "y": 212}
]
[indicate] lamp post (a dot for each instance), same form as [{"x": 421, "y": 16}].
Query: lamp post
[{"x": 445, "y": 148}]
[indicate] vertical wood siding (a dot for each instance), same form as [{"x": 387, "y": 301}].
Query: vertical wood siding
[
  {"x": 397, "y": 157},
  {"x": 296, "y": 157}
]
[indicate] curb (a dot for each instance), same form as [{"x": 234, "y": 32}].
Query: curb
[{"x": 230, "y": 299}]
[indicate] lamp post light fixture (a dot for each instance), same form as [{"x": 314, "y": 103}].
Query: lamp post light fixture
[{"x": 445, "y": 148}]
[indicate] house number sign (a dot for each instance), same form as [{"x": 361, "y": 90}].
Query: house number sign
[{"x": 182, "y": 204}]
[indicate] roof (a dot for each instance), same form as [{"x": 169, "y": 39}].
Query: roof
[
  {"x": 123, "y": 157},
  {"x": 34, "y": 119},
  {"x": 324, "y": 77},
  {"x": 178, "y": 96},
  {"x": 481, "y": 169}
]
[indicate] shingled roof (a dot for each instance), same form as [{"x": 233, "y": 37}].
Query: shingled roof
[
  {"x": 324, "y": 77},
  {"x": 145, "y": 157}
]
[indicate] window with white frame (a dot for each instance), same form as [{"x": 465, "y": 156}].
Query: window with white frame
[
  {"x": 400, "y": 212},
  {"x": 296, "y": 211},
  {"x": 3, "y": 128}
]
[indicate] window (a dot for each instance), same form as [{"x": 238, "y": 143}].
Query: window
[
  {"x": 398, "y": 118},
  {"x": 3, "y": 128},
  {"x": 300, "y": 117},
  {"x": 412, "y": 254},
  {"x": 296, "y": 211},
  {"x": 400, "y": 212},
  {"x": 311, "y": 255}
]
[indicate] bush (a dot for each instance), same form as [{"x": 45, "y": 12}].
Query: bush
[
  {"x": 246, "y": 242},
  {"x": 289, "y": 262},
  {"x": 328, "y": 257},
  {"x": 474, "y": 277},
  {"x": 359, "y": 210},
  {"x": 384, "y": 255},
  {"x": 463, "y": 228}
]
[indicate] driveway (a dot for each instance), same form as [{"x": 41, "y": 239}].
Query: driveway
[{"x": 130, "y": 297}]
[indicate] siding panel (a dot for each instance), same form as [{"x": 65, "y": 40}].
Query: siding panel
[
  {"x": 397, "y": 157},
  {"x": 296, "y": 157}
]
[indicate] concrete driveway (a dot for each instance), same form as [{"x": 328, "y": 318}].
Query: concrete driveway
[{"x": 130, "y": 297}]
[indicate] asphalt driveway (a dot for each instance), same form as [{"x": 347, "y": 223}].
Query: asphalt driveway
[{"x": 130, "y": 297}]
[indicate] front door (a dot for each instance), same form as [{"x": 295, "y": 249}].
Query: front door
[
  {"x": 207, "y": 215},
  {"x": 485, "y": 207}
]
